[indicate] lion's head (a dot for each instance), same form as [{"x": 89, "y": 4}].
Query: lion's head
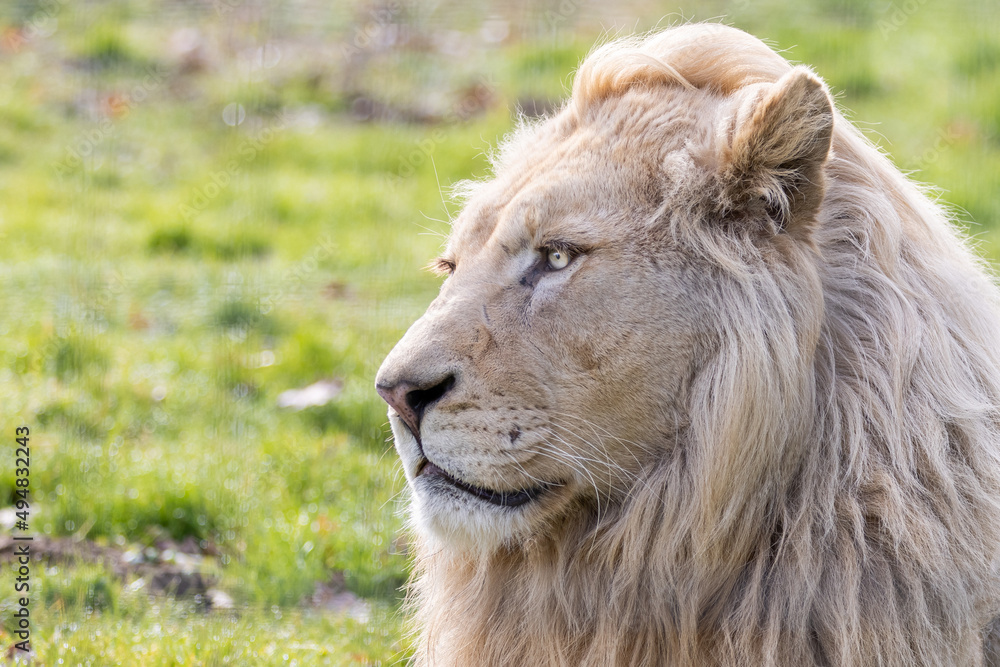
[
  {"x": 683, "y": 357},
  {"x": 565, "y": 353}
]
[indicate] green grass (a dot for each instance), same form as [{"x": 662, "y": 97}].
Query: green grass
[
  {"x": 166, "y": 276},
  {"x": 88, "y": 618}
]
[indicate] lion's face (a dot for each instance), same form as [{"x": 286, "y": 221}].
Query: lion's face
[
  {"x": 556, "y": 363},
  {"x": 552, "y": 366}
]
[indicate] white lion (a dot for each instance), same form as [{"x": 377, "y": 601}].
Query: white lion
[{"x": 709, "y": 383}]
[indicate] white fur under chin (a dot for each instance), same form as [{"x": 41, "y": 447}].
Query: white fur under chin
[{"x": 470, "y": 526}]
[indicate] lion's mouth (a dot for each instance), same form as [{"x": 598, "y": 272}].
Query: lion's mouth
[{"x": 499, "y": 498}]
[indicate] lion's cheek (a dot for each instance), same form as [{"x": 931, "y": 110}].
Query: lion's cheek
[{"x": 586, "y": 337}]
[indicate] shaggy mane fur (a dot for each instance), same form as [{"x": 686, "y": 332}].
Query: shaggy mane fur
[{"x": 836, "y": 499}]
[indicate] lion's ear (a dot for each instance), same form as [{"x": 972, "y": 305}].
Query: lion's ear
[{"x": 776, "y": 150}]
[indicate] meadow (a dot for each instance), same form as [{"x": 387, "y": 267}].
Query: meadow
[{"x": 204, "y": 205}]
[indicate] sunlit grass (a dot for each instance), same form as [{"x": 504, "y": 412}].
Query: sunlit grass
[{"x": 85, "y": 616}]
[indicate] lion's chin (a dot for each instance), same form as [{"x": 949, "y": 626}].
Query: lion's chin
[{"x": 471, "y": 518}]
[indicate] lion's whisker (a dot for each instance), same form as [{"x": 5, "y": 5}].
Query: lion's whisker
[
  {"x": 608, "y": 462},
  {"x": 563, "y": 457},
  {"x": 521, "y": 467},
  {"x": 627, "y": 476},
  {"x": 600, "y": 440},
  {"x": 594, "y": 426}
]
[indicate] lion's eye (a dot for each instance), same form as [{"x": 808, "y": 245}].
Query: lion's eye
[
  {"x": 558, "y": 259},
  {"x": 442, "y": 266}
]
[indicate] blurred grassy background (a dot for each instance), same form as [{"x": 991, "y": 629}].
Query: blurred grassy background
[{"x": 206, "y": 203}]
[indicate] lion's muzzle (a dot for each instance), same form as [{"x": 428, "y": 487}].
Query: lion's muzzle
[{"x": 410, "y": 400}]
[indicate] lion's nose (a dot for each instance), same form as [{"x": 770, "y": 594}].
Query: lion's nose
[{"x": 410, "y": 400}]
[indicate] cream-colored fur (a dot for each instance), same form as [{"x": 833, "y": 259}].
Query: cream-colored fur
[{"x": 763, "y": 397}]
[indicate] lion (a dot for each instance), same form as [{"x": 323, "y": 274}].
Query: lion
[{"x": 709, "y": 382}]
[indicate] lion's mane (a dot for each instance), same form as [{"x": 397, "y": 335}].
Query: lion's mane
[{"x": 837, "y": 497}]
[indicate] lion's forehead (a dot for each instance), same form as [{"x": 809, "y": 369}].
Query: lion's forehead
[
  {"x": 573, "y": 177},
  {"x": 528, "y": 218}
]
